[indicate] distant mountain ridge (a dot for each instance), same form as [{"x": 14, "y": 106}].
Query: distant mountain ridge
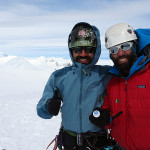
[
  {"x": 3, "y": 54},
  {"x": 33, "y": 63},
  {"x": 41, "y": 62}
]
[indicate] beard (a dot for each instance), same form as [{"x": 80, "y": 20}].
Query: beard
[
  {"x": 86, "y": 57},
  {"x": 124, "y": 67}
]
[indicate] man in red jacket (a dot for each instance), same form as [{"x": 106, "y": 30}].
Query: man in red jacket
[{"x": 128, "y": 92}]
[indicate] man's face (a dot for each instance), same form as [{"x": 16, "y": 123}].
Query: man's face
[
  {"x": 83, "y": 57},
  {"x": 123, "y": 60}
]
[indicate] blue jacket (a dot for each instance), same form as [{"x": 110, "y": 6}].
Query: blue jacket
[
  {"x": 143, "y": 57},
  {"x": 81, "y": 88}
]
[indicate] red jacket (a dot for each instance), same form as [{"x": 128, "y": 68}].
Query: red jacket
[{"x": 132, "y": 128}]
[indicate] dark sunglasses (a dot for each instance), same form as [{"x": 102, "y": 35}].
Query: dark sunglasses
[
  {"x": 87, "y": 49},
  {"x": 124, "y": 46}
]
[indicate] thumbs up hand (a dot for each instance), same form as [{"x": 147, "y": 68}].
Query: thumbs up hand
[{"x": 53, "y": 104}]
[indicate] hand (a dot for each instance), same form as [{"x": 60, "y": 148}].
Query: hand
[
  {"x": 53, "y": 104},
  {"x": 100, "y": 117}
]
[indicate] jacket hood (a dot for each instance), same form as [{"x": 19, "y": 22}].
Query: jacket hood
[
  {"x": 143, "y": 38},
  {"x": 97, "y": 53}
]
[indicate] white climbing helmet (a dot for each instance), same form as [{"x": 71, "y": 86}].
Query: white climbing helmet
[{"x": 119, "y": 33}]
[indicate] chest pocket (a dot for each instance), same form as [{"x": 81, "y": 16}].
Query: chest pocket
[{"x": 139, "y": 91}]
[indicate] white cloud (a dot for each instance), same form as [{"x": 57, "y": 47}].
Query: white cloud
[{"x": 32, "y": 23}]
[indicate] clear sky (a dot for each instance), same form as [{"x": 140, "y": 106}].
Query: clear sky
[{"x": 41, "y": 27}]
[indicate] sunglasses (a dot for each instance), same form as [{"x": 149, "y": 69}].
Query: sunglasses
[
  {"x": 87, "y": 49},
  {"x": 124, "y": 46}
]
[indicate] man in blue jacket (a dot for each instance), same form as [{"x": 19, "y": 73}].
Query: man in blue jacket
[{"x": 79, "y": 88}]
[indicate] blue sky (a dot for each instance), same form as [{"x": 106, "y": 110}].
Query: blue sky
[{"x": 41, "y": 27}]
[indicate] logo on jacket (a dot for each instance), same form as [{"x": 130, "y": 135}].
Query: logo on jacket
[
  {"x": 117, "y": 100},
  {"x": 141, "y": 86}
]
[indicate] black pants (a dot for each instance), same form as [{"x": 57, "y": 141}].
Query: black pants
[{"x": 91, "y": 141}]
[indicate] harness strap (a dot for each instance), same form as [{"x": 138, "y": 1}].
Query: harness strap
[
  {"x": 74, "y": 134},
  {"x": 96, "y": 148},
  {"x": 70, "y": 132},
  {"x": 84, "y": 136}
]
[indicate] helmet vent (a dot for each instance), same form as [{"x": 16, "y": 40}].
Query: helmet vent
[{"x": 129, "y": 31}]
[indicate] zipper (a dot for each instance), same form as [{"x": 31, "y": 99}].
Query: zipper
[
  {"x": 80, "y": 102},
  {"x": 84, "y": 72},
  {"x": 126, "y": 85},
  {"x": 126, "y": 112},
  {"x": 80, "y": 99}
]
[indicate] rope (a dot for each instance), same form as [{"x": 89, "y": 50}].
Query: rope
[{"x": 55, "y": 146}]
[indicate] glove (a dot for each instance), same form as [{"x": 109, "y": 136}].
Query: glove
[
  {"x": 100, "y": 117},
  {"x": 53, "y": 104}
]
